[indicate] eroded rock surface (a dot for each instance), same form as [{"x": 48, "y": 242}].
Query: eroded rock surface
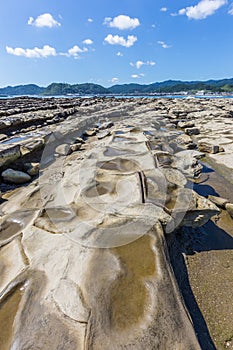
[{"x": 91, "y": 268}]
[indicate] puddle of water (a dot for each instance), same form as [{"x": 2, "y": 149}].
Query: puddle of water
[
  {"x": 8, "y": 311},
  {"x": 120, "y": 164},
  {"x": 19, "y": 138},
  {"x": 149, "y": 133},
  {"x": 119, "y": 132},
  {"x": 129, "y": 297},
  {"x": 112, "y": 152},
  {"x": 123, "y": 139}
]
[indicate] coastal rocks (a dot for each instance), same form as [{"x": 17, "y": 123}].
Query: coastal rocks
[
  {"x": 208, "y": 148},
  {"x": 32, "y": 168},
  {"x": 63, "y": 149},
  {"x": 229, "y": 208},
  {"x": 90, "y": 132},
  {"x": 9, "y": 154},
  {"x": 15, "y": 176},
  {"x": 185, "y": 124},
  {"x": 31, "y": 146},
  {"x": 220, "y": 202},
  {"x": 106, "y": 125},
  {"x": 192, "y": 131}
]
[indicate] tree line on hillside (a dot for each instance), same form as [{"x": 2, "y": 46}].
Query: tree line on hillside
[{"x": 169, "y": 86}]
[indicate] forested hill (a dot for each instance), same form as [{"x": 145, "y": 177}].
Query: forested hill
[{"x": 169, "y": 86}]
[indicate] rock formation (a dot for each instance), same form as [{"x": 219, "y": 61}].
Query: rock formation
[{"x": 83, "y": 260}]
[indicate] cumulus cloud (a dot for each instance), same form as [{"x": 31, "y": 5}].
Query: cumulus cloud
[
  {"x": 137, "y": 76},
  {"x": 46, "y": 51},
  {"x": 163, "y": 44},
  {"x": 45, "y": 20},
  {"x": 90, "y": 20},
  {"x": 75, "y": 51},
  {"x": 139, "y": 64},
  {"x": 163, "y": 9},
  {"x": 120, "y": 54},
  {"x": 122, "y": 22},
  {"x": 87, "y": 42},
  {"x": 114, "y": 80},
  {"x": 120, "y": 40},
  {"x": 203, "y": 9}
]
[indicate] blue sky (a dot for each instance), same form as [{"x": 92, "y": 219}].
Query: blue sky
[{"x": 114, "y": 42}]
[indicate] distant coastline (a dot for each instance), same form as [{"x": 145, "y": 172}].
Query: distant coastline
[{"x": 222, "y": 87}]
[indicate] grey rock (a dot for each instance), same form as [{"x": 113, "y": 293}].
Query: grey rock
[
  {"x": 63, "y": 149},
  {"x": 15, "y": 176},
  {"x": 9, "y": 154},
  {"x": 192, "y": 131},
  {"x": 32, "y": 168},
  {"x": 186, "y": 124}
]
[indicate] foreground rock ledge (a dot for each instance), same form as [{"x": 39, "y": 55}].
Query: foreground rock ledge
[{"x": 84, "y": 261}]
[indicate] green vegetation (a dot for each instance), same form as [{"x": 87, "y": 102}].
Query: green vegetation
[{"x": 169, "y": 86}]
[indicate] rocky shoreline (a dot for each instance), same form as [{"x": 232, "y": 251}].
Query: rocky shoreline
[{"x": 135, "y": 176}]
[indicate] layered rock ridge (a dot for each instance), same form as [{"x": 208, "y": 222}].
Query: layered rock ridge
[{"x": 84, "y": 261}]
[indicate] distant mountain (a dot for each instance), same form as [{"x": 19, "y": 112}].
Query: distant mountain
[
  {"x": 56, "y": 89},
  {"x": 19, "y": 90},
  {"x": 169, "y": 86}
]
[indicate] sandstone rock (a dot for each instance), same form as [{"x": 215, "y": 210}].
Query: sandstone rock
[
  {"x": 32, "y": 168},
  {"x": 192, "y": 131},
  {"x": 63, "y": 149},
  {"x": 208, "y": 148},
  {"x": 91, "y": 132},
  {"x": 31, "y": 146},
  {"x": 220, "y": 202},
  {"x": 106, "y": 125},
  {"x": 3, "y": 137},
  {"x": 9, "y": 154},
  {"x": 186, "y": 124},
  {"x": 15, "y": 176},
  {"x": 75, "y": 147},
  {"x": 229, "y": 208},
  {"x": 103, "y": 134}
]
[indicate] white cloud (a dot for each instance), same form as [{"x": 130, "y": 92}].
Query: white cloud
[
  {"x": 87, "y": 42},
  {"x": 46, "y": 51},
  {"x": 120, "y": 40},
  {"x": 137, "y": 76},
  {"x": 203, "y": 9},
  {"x": 75, "y": 51},
  {"x": 163, "y": 9},
  {"x": 90, "y": 20},
  {"x": 45, "y": 20},
  {"x": 120, "y": 54},
  {"x": 163, "y": 44},
  {"x": 122, "y": 22},
  {"x": 139, "y": 64},
  {"x": 114, "y": 80}
]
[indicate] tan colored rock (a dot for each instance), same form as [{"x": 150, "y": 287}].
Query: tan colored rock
[
  {"x": 63, "y": 149},
  {"x": 220, "y": 202},
  {"x": 208, "y": 148},
  {"x": 32, "y": 168},
  {"x": 9, "y": 154},
  {"x": 229, "y": 208}
]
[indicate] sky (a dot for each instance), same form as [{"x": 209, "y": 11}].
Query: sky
[{"x": 114, "y": 42}]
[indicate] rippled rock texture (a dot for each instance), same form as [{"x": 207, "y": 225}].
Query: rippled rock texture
[{"x": 84, "y": 261}]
